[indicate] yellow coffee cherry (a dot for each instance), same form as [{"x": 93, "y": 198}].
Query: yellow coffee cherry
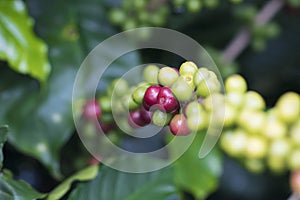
[
  {"x": 256, "y": 147},
  {"x": 188, "y": 68},
  {"x": 295, "y": 133},
  {"x": 230, "y": 115},
  {"x": 235, "y": 83},
  {"x": 214, "y": 101},
  {"x": 237, "y": 144},
  {"x": 274, "y": 128},
  {"x": 254, "y": 101},
  {"x": 276, "y": 164},
  {"x": 254, "y": 165},
  {"x": 252, "y": 121},
  {"x": 279, "y": 148},
  {"x": 294, "y": 160},
  {"x": 288, "y": 107},
  {"x": 236, "y": 99}
]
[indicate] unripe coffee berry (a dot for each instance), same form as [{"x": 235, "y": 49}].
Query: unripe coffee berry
[
  {"x": 178, "y": 125},
  {"x": 167, "y": 76},
  {"x": 193, "y": 108},
  {"x": 254, "y": 101},
  {"x": 105, "y": 103},
  {"x": 150, "y": 74},
  {"x": 235, "y": 83},
  {"x": 161, "y": 118},
  {"x": 188, "y": 68},
  {"x": 207, "y": 87},
  {"x": 288, "y": 107},
  {"x": 139, "y": 93},
  {"x": 119, "y": 87},
  {"x": 182, "y": 90},
  {"x": 200, "y": 75}
]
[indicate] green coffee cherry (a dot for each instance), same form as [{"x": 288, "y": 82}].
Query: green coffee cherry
[
  {"x": 279, "y": 148},
  {"x": 252, "y": 121},
  {"x": 235, "y": 83},
  {"x": 210, "y": 86},
  {"x": 197, "y": 122},
  {"x": 274, "y": 128},
  {"x": 288, "y": 107},
  {"x": 117, "y": 16},
  {"x": 150, "y": 74},
  {"x": 161, "y": 119},
  {"x": 138, "y": 94},
  {"x": 230, "y": 115},
  {"x": 194, "y": 5},
  {"x": 189, "y": 79},
  {"x": 188, "y": 68},
  {"x": 214, "y": 102},
  {"x": 119, "y": 87},
  {"x": 235, "y": 99},
  {"x": 200, "y": 75},
  {"x": 167, "y": 76},
  {"x": 295, "y": 133},
  {"x": 276, "y": 164},
  {"x": 129, "y": 103},
  {"x": 254, "y": 101},
  {"x": 106, "y": 118},
  {"x": 293, "y": 160},
  {"x": 194, "y": 108},
  {"x": 182, "y": 90},
  {"x": 255, "y": 165},
  {"x": 256, "y": 147},
  {"x": 105, "y": 103},
  {"x": 234, "y": 142}
]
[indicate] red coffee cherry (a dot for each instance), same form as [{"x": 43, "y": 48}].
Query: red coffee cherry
[
  {"x": 135, "y": 120},
  {"x": 150, "y": 97},
  {"x": 167, "y": 101},
  {"x": 91, "y": 110},
  {"x": 178, "y": 125}
]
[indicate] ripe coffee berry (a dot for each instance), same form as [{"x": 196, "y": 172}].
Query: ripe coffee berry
[
  {"x": 146, "y": 115},
  {"x": 150, "y": 97},
  {"x": 166, "y": 100},
  {"x": 91, "y": 110},
  {"x": 135, "y": 119},
  {"x": 178, "y": 125}
]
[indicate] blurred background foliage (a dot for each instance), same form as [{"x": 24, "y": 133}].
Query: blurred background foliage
[{"x": 42, "y": 44}]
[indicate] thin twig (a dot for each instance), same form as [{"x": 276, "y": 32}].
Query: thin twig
[{"x": 242, "y": 39}]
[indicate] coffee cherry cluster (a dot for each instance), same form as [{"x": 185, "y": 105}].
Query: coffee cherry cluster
[
  {"x": 259, "y": 137},
  {"x": 166, "y": 97},
  {"x": 175, "y": 97},
  {"x": 142, "y": 13}
]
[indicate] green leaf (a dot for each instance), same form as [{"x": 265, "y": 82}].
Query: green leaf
[
  {"x": 11, "y": 189},
  {"x": 3, "y": 138},
  {"x": 195, "y": 175},
  {"x": 41, "y": 120},
  {"x": 115, "y": 185},
  {"x": 19, "y": 46},
  {"x": 83, "y": 175}
]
